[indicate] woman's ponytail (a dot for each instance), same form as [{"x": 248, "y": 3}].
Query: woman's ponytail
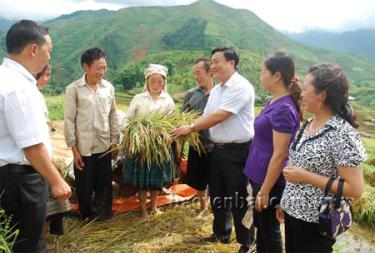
[
  {"x": 330, "y": 77},
  {"x": 349, "y": 115},
  {"x": 295, "y": 90},
  {"x": 280, "y": 62}
]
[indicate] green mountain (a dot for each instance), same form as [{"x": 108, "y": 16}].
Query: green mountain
[
  {"x": 359, "y": 43},
  {"x": 175, "y": 36},
  {"x": 4, "y": 26},
  {"x": 5, "y": 23},
  {"x": 2, "y": 43}
]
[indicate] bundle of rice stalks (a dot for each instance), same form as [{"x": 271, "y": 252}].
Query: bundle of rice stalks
[
  {"x": 148, "y": 138},
  {"x": 8, "y": 234},
  {"x": 369, "y": 174},
  {"x": 60, "y": 165},
  {"x": 65, "y": 172},
  {"x": 364, "y": 207}
]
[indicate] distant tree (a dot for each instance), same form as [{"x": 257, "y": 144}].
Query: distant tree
[
  {"x": 129, "y": 77},
  {"x": 170, "y": 65}
]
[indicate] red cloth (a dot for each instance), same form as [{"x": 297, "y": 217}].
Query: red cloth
[{"x": 178, "y": 193}]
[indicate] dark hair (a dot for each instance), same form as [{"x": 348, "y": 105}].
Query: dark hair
[
  {"x": 91, "y": 54},
  {"x": 280, "y": 62},
  {"x": 23, "y": 33},
  {"x": 47, "y": 66},
  {"x": 206, "y": 63},
  {"x": 330, "y": 77},
  {"x": 229, "y": 54}
]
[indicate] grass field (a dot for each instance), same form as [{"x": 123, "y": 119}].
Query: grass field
[
  {"x": 55, "y": 105},
  {"x": 176, "y": 230}
]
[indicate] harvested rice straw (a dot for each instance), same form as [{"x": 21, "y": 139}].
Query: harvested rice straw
[
  {"x": 148, "y": 138},
  {"x": 60, "y": 165},
  {"x": 364, "y": 207},
  {"x": 175, "y": 230}
]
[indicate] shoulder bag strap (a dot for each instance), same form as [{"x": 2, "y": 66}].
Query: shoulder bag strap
[
  {"x": 328, "y": 185},
  {"x": 299, "y": 135},
  {"x": 339, "y": 193}
]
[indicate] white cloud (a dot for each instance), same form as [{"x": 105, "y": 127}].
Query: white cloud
[
  {"x": 41, "y": 9},
  {"x": 298, "y": 15},
  {"x": 288, "y": 15},
  {"x": 147, "y": 2}
]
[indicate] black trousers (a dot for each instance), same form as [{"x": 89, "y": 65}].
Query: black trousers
[
  {"x": 303, "y": 236},
  {"x": 268, "y": 235},
  {"x": 56, "y": 226},
  {"x": 197, "y": 170},
  {"x": 24, "y": 197},
  {"x": 96, "y": 177},
  {"x": 227, "y": 189}
]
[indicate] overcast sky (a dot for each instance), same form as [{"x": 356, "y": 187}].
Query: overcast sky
[{"x": 286, "y": 15}]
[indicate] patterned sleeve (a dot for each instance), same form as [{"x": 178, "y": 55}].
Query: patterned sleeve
[
  {"x": 284, "y": 119},
  {"x": 348, "y": 150}
]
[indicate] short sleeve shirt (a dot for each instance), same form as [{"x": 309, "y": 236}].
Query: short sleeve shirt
[
  {"x": 22, "y": 114},
  {"x": 196, "y": 100},
  {"x": 235, "y": 96},
  {"x": 335, "y": 144},
  {"x": 281, "y": 116}
]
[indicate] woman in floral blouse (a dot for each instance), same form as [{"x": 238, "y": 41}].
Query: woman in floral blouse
[{"x": 328, "y": 146}]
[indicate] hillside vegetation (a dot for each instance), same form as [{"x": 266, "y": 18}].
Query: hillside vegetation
[
  {"x": 135, "y": 36},
  {"x": 360, "y": 43}
]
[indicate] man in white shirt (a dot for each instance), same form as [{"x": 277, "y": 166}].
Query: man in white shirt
[
  {"x": 229, "y": 114},
  {"x": 91, "y": 126},
  {"x": 25, "y": 146}
]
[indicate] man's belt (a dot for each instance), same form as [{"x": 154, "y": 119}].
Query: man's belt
[
  {"x": 18, "y": 168},
  {"x": 231, "y": 145}
]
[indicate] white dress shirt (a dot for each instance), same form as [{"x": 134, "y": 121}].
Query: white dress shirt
[
  {"x": 22, "y": 114},
  {"x": 235, "y": 96}
]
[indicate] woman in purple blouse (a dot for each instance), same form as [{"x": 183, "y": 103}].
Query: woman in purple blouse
[{"x": 275, "y": 128}]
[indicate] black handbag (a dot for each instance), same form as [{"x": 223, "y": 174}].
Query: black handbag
[{"x": 335, "y": 215}]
